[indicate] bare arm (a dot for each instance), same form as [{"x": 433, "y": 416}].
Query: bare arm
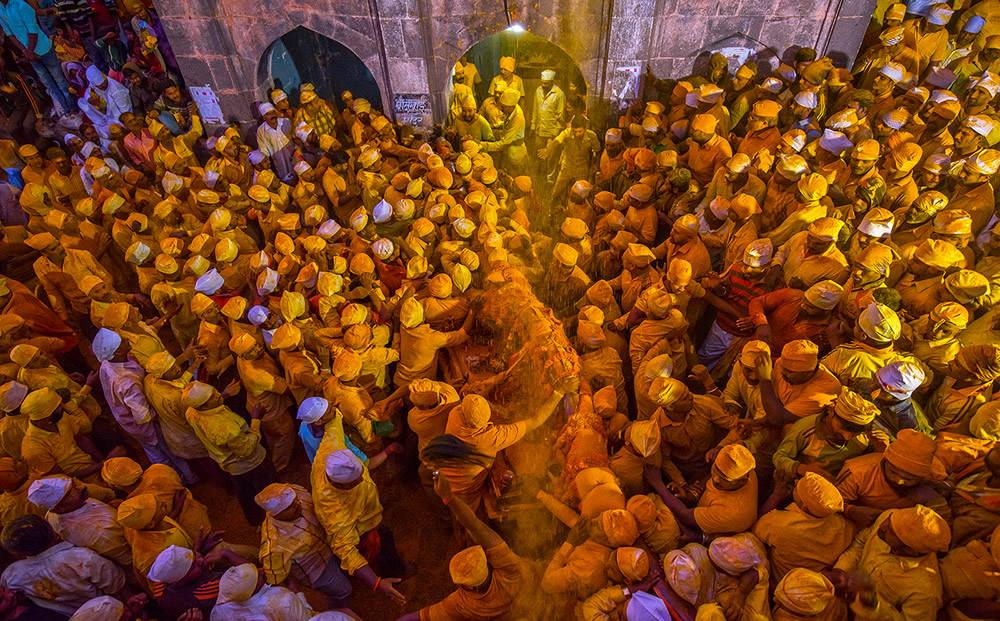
[{"x": 481, "y": 533}]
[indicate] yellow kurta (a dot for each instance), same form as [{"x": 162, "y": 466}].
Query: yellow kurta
[
  {"x": 45, "y": 450},
  {"x": 165, "y": 397},
  {"x": 346, "y": 515},
  {"x": 797, "y": 539},
  {"x": 229, "y": 441},
  {"x": 909, "y": 586}
]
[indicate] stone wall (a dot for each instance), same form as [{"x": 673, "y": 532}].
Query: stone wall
[{"x": 410, "y": 46}]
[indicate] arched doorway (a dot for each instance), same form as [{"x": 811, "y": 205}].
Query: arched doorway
[
  {"x": 532, "y": 55},
  {"x": 303, "y": 55}
]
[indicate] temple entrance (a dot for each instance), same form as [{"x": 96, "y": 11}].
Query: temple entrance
[
  {"x": 302, "y": 55},
  {"x": 532, "y": 55}
]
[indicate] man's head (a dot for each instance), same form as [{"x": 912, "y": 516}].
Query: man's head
[{"x": 27, "y": 536}]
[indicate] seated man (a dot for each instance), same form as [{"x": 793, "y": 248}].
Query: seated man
[
  {"x": 897, "y": 478},
  {"x": 729, "y": 502},
  {"x": 821, "y": 443}
]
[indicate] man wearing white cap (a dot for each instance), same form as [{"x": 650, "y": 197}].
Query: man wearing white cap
[
  {"x": 243, "y": 595},
  {"x": 347, "y": 505},
  {"x": 896, "y": 383},
  {"x": 787, "y": 315},
  {"x": 122, "y": 381},
  {"x": 104, "y": 101},
  {"x": 274, "y": 139},
  {"x": 731, "y": 295},
  {"x": 293, "y": 545},
  {"x": 79, "y": 519},
  {"x": 928, "y": 35},
  {"x": 962, "y": 44},
  {"x": 857, "y": 362},
  {"x": 802, "y": 113}
]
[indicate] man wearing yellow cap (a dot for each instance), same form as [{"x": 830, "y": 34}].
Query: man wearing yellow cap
[
  {"x": 762, "y": 132},
  {"x": 899, "y": 553},
  {"x": 60, "y": 275},
  {"x": 728, "y": 504},
  {"x": 821, "y": 443},
  {"x": 685, "y": 243},
  {"x": 965, "y": 386},
  {"x": 811, "y": 533},
  {"x": 642, "y": 446},
  {"x": 52, "y": 441},
  {"x": 899, "y": 477},
  {"x": 786, "y": 315},
  {"x": 708, "y": 151},
  {"x": 898, "y": 173},
  {"x": 856, "y": 363},
  {"x": 510, "y": 135},
  {"x": 805, "y": 255},
  {"x": 489, "y": 576},
  {"x": 977, "y": 192},
  {"x": 920, "y": 285},
  {"x": 470, "y": 422},
  {"x": 267, "y": 390},
  {"x": 689, "y": 426},
  {"x": 235, "y": 446},
  {"x": 419, "y": 343}
]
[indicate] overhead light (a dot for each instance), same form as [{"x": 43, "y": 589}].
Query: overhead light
[{"x": 515, "y": 28}]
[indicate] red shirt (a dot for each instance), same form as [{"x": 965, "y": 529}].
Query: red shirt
[{"x": 780, "y": 310}]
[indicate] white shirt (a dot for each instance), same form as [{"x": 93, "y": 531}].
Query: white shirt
[
  {"x": 270, "y": 603},
  {"x": 546, "y": 116},
  {"x": 64, "y": 577},
  {"x": 274, "y": 142},
  {"x": 94, "y": 526},
  {"x": 122, "y": 383}
]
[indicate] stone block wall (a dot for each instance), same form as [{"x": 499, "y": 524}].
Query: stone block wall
[{"x": 410, "y": 46}]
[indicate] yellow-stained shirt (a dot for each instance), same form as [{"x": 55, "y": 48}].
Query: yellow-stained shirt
[
  {"x": 797, "y": 539},
  {"x": 95, "y": 526},
  {"x": 45, "y": 450},
  {"x": 507, "y": 578},
  {"x": 230, "y": 442},
  {"x": 165, "y": 397},
  {"x": 727, "y": 512},
  {"x": 346, "y": 515},
  {"x": 298, "y": 547},
  {"x": 908, "y": 587},
  {"x": 419, "y": 350}
]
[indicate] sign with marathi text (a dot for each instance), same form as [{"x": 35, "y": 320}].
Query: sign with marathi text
[{"x": 412, "y": 109}]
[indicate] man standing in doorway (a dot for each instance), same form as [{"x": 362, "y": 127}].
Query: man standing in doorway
[{"x": 546, "y": 114}]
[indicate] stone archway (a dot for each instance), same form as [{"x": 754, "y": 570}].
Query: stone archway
[
  {"x": 532, "y": 55},
  {"x": 302, "y": 55}
]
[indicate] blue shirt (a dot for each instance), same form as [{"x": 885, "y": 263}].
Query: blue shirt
[
  {"x": 311, "y": 443},
  {"x": 18, "y": 19}
]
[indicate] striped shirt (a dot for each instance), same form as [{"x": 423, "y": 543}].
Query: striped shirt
[
  {"x": 177, "y": 599},
  {"x": 77, "y": 14},
  {"x": 739, "y": 292}
]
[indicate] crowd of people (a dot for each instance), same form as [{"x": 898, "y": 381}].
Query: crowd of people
[{"x": 761, "y": 310}]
